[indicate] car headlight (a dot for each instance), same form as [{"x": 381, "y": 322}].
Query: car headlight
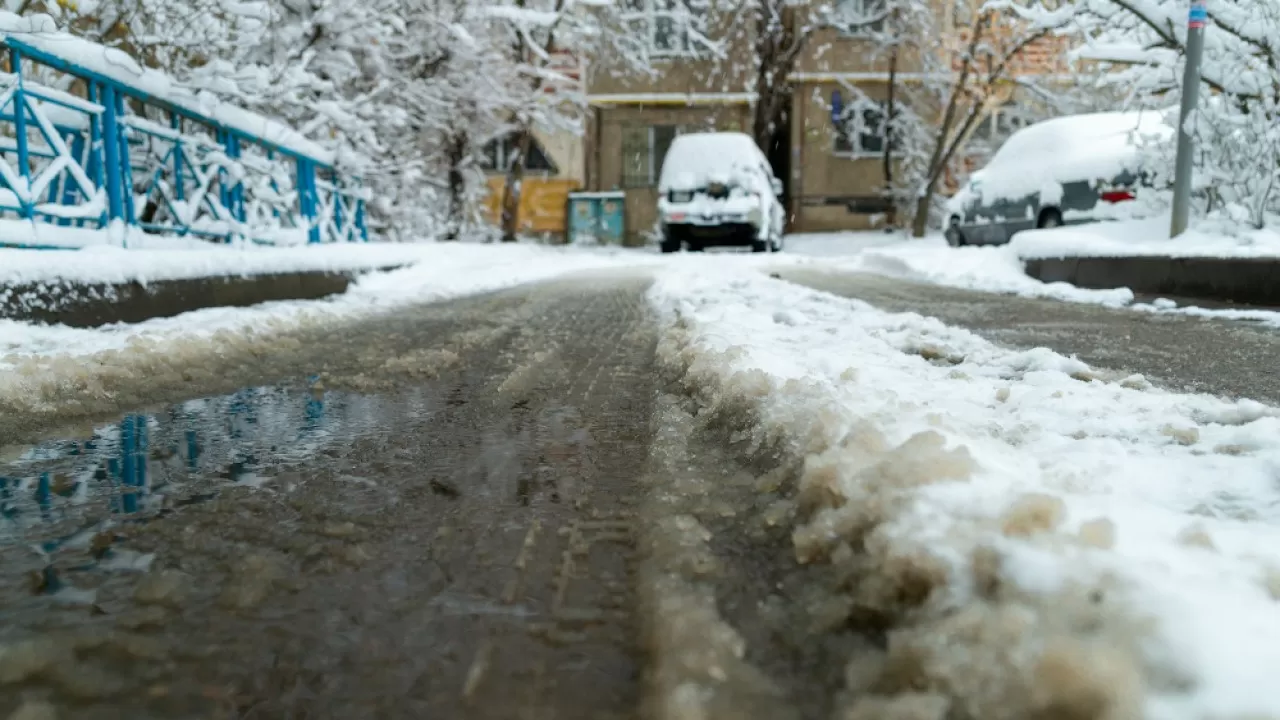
[{"x": 680, "y": 196}]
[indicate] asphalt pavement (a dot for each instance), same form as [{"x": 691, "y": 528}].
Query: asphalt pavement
[
  {"x": 496, "y": 507},
  {"x": 1233, "y": 359}
]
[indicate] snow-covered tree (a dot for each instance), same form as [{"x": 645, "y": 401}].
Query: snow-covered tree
[
  {"x": 1237, "y": 125},
  {"x": 963, "y": 60},
  {"x": 536, "y": 33}
]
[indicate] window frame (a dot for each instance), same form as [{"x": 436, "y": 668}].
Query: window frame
[
  {"x": 864, "y": 30},
  {"x": 857, "y": 151},
  {"x": 499, "y": 149},
  {"x": 645, "y": 15},
  {"x": 653, "y": 163}
]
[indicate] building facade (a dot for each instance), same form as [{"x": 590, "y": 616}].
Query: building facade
[{"x": 833, "y": 181}]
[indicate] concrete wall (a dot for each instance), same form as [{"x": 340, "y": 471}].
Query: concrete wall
[
  {"x": 93, "y": 305},
  {"x": 1251, "y": 281},
  {"x": 823, "y": 182}
]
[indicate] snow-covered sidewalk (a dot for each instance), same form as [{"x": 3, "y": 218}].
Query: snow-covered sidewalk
[
  {"x": 1046, "y": 543},
  {"x": 35, "y": 359},
  {"x": 117, "y": 265},
  {"x": 999, "y": 269}
]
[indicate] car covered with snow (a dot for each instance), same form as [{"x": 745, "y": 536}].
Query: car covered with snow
[
  {"x": 1064, "y": 171},
  {"x": 718, "y": 189}
]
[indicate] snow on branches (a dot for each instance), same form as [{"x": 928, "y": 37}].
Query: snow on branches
[{"x": 1237, "y": 124}]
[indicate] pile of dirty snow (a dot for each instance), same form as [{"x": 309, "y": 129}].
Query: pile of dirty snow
[{"x": 1038, "y": 540}]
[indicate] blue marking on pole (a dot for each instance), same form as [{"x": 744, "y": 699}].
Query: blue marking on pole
[
  {"x": 837, "y": 107},
  {"x": 1198, "y": 17}
]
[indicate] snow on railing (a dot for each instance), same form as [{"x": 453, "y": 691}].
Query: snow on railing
[{"x": 125, "y": 150}]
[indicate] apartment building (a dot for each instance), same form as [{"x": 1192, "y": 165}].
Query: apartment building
[{"x": 833, "y": 180}]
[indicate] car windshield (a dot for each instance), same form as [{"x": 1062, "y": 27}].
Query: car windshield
[{"x": 699, "y": 159}]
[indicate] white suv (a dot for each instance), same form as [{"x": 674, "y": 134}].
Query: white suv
[{"x": 717, "y": 189}]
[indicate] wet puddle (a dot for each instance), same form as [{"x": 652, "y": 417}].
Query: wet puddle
[{"x": 65, "y": 504}]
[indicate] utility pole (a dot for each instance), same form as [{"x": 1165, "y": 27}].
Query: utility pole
[{"x": 1196, "y": 20}]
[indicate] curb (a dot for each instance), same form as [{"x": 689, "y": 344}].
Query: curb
[
  {"x": 89, "y": 305},
  {"x": 1248, "y": 281}
]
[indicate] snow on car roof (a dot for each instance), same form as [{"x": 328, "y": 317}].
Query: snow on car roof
[
  {"x": 1076, "y": 147},
  {"x": 697, "y": 158}
]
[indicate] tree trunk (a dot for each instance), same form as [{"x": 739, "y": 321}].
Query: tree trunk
[
  {"x": 456, "y": 152},
  {"x": 514, "y": 185},
  {"x": 890, "y": 112},
  {"x": 920, "y": 223}
]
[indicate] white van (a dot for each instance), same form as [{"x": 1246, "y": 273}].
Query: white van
[{"x": 717, "y": 189}]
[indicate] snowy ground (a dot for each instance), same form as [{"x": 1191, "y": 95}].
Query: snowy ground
[
  {"x": 998, "y": 269},
  {"x": 1075, "y": 535},
  {"x": 445, "y": 270},
  {"x": 1091, "y": 546},
  {"x": 114, "y": 265},
  {"x": 1148, "y": 236},
  {"x": 36, "y": 358}
]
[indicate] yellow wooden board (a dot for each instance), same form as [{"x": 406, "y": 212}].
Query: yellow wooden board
[{"x": 543, "y": 203}]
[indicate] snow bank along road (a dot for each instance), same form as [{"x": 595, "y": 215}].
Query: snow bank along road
[{"x": 695, "y": 492}]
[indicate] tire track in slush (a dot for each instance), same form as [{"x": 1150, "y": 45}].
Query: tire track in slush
[{"x": 483, "y": 570}]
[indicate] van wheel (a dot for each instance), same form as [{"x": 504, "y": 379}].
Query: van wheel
[
  {"x": 1050, "y": 218},
  {"x": 759, "y": 246},
  {"x": 669, "y": 246}
]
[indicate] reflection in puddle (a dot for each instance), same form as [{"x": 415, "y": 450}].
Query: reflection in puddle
[{"x": 64, "y": 494}]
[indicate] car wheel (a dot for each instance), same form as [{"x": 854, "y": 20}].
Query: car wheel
[
  {"x": 955, "y": 238},
  {"x": 775, "y": 246},
  {"x": 696, "y": 247},
  {"x": 759, "y": 246},
  {"x": 669, "y": 246},
  {"x": 1050, "y": 218}
]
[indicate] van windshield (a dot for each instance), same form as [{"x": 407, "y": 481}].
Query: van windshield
[{"x": 699, "y": 159}]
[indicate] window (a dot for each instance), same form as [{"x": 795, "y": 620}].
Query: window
[
  {"x": 863, "y": 131},
  {"x": 643, "y": 150},
  {"x": 496, "y": 156},
  {"x": 861, "y": 16},
  {"x": 667, "y": 28},
  {"x": 1000, "y": 123}
]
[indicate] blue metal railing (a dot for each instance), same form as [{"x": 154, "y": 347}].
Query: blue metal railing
[{"x": 123, "y": 158}]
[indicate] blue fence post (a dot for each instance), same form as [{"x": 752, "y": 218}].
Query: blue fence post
[
  {"x": 360, "y": 220},
  {"x": 337, "y": 212},
  {"x": 236, "y": 195},
  {"x": 69, "y": 189},
  {"x": 95, "y": 161},
  {"x": 126, "y": 164},
  {"x": 307, "y": 197},
  {"x": 20, "y": 129},
  {"x": 179, "y": 191},
  {"x": 111, "y": 155}
]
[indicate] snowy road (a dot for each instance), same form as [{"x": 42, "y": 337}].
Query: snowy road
[
  {"x": 454, "y": 527},
  {"x": 666, "y": 491},
  {"x": 1216, "y": 356}
]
